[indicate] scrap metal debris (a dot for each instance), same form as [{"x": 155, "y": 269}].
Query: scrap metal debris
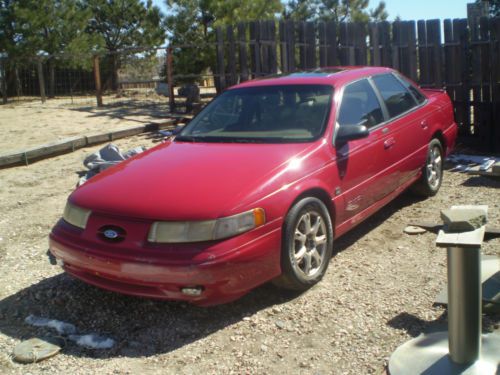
[
  {"x": 62, "y": 328},
  {"x": 106, "y": 157},
  {"x": 93, "y": 341},
  {"x": 491, "y": 231},
  {"x": 473, "y": 164}
]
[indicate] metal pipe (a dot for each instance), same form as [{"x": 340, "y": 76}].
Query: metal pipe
[{"x": 464, "y": 303}]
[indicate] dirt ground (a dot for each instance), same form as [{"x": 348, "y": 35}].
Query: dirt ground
[
  {"x": 29, "y": 124},
  {"x": 377, "y": 293}
]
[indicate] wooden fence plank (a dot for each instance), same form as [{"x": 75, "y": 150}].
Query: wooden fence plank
[
  {"x": 290, "y": 37},
  {"x": 462, "y": 94},
  {"x": 360, "y": 44},
  {"x": 243, "y": 52},
  {"x": 301, "y": 33},
  {"x": 255, "y": 48},
  {"x": 343, "y": 38},
  {"x": 374, "y": 45},
  {"x": 264, "y": 37},
  {"x": 435, "y": 49},
  {"x": 396, "y": 41},
  {"x": 310, "y": 45},
  {"x": 323, "y": 48},
  {"x": 486, "y": 133},
  {"x": 495, "y": 80},
  {"x": 231, "y": 58},
  {"x": 220, "y": 79},
  {"x": 423, "y": 58},
  {"x": 384, "y": 33},
  {"x": 412, "y": 50},
  {"x": 273, "y": 57},
  {"x": 331, "y": 40},
  {"x": 283, "y": 47}
]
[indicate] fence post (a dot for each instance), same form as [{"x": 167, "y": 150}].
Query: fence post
[
  {"x": 3, "y": 72},
  {"x": 41, "y": 80},
  {"x": 170, "y": 78},
  {"x": 97, "y": 79}
]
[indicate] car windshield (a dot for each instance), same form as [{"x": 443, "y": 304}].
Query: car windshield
[{"x": 265, "y": 114}]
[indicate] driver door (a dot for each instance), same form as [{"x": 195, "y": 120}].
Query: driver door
[{"x": 363, "y": 164}]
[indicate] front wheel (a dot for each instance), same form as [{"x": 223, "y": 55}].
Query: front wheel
[
  {"x": 432, "y": 173},
  {"x": 306, "y": 246}
]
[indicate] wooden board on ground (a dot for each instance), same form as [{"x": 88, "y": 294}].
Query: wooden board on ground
[{"x": 44, "y": 151}]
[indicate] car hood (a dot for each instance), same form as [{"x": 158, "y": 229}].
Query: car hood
[{"x": 193, "y": 181}]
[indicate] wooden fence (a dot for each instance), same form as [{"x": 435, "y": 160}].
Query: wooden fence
[{"x": 466, "y": 62}]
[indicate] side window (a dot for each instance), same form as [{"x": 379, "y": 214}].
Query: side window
[
  {"x": 410, "y": 87},
  {"x": 360, "y": 106},
  {"x": 396, "y": 97}
]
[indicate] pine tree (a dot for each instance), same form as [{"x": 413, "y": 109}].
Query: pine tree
[
  {"x": 54, "y": 29},
  {"x": 125, "y": 24}
]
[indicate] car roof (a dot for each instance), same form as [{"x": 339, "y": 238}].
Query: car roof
[{"x": 335, "y": 76}]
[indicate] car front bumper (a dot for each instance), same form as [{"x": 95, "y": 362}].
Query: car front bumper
[{"x": 234, "y": 267}]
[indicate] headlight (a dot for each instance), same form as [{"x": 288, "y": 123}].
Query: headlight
[
  {"x": 197, "y": 231},
  {"x": 75, "y": 215}
]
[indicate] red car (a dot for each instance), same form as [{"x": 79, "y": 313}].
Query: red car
[{"x": 257, "y": 186}]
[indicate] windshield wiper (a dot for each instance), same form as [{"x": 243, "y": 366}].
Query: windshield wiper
[{"x": 187, "y": 138}]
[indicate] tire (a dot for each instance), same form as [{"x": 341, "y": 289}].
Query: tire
[
  {"x": 306, "y": 245},
  {"x": 432, "y": 173}
]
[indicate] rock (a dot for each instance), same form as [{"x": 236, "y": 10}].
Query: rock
[
  {"x": 36, "y": 350},
  {"x": 280, "y": 324},
  {"x": 412, "y": 229},
  {"x": 463, "y": 220}
]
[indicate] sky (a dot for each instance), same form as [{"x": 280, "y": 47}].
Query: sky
[{"x": 410, "y": 9}]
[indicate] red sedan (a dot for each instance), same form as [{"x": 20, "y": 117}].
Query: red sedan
[{"x": 257, "y": 186}]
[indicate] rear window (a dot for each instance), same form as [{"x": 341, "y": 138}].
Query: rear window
[
  {"x": 410, "y": 87},
  {"x": 396, "y": 97}
]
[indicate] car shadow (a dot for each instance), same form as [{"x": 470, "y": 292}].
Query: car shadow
[
  {"x": 476, "y": 181},
  {"x": 141, "y": 327}
]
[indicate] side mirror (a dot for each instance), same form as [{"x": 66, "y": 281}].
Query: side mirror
[{"x": 351, "y": 132}]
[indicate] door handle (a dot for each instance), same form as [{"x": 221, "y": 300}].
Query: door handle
[
  {"x": 389, "y": 142},
  {"x": 424, "y": 124}
]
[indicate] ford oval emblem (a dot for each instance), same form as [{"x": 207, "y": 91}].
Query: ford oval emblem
[{"x": 111, "y": 234}]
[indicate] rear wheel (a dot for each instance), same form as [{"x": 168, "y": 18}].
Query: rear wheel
[
  {"x": 432, "y": 173},
  {"x": 307, "y": 245}
]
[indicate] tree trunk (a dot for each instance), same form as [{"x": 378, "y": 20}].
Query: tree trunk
[
  {"x": 52, "y": 78},
  {"x": 19, "y": 90},
  {"x": 115, "y": 63}
]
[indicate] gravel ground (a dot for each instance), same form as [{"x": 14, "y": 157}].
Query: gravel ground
[{"x": 377, "y": 293}]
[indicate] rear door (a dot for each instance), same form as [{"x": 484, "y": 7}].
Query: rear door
[{"x": 408, "y": 127}]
